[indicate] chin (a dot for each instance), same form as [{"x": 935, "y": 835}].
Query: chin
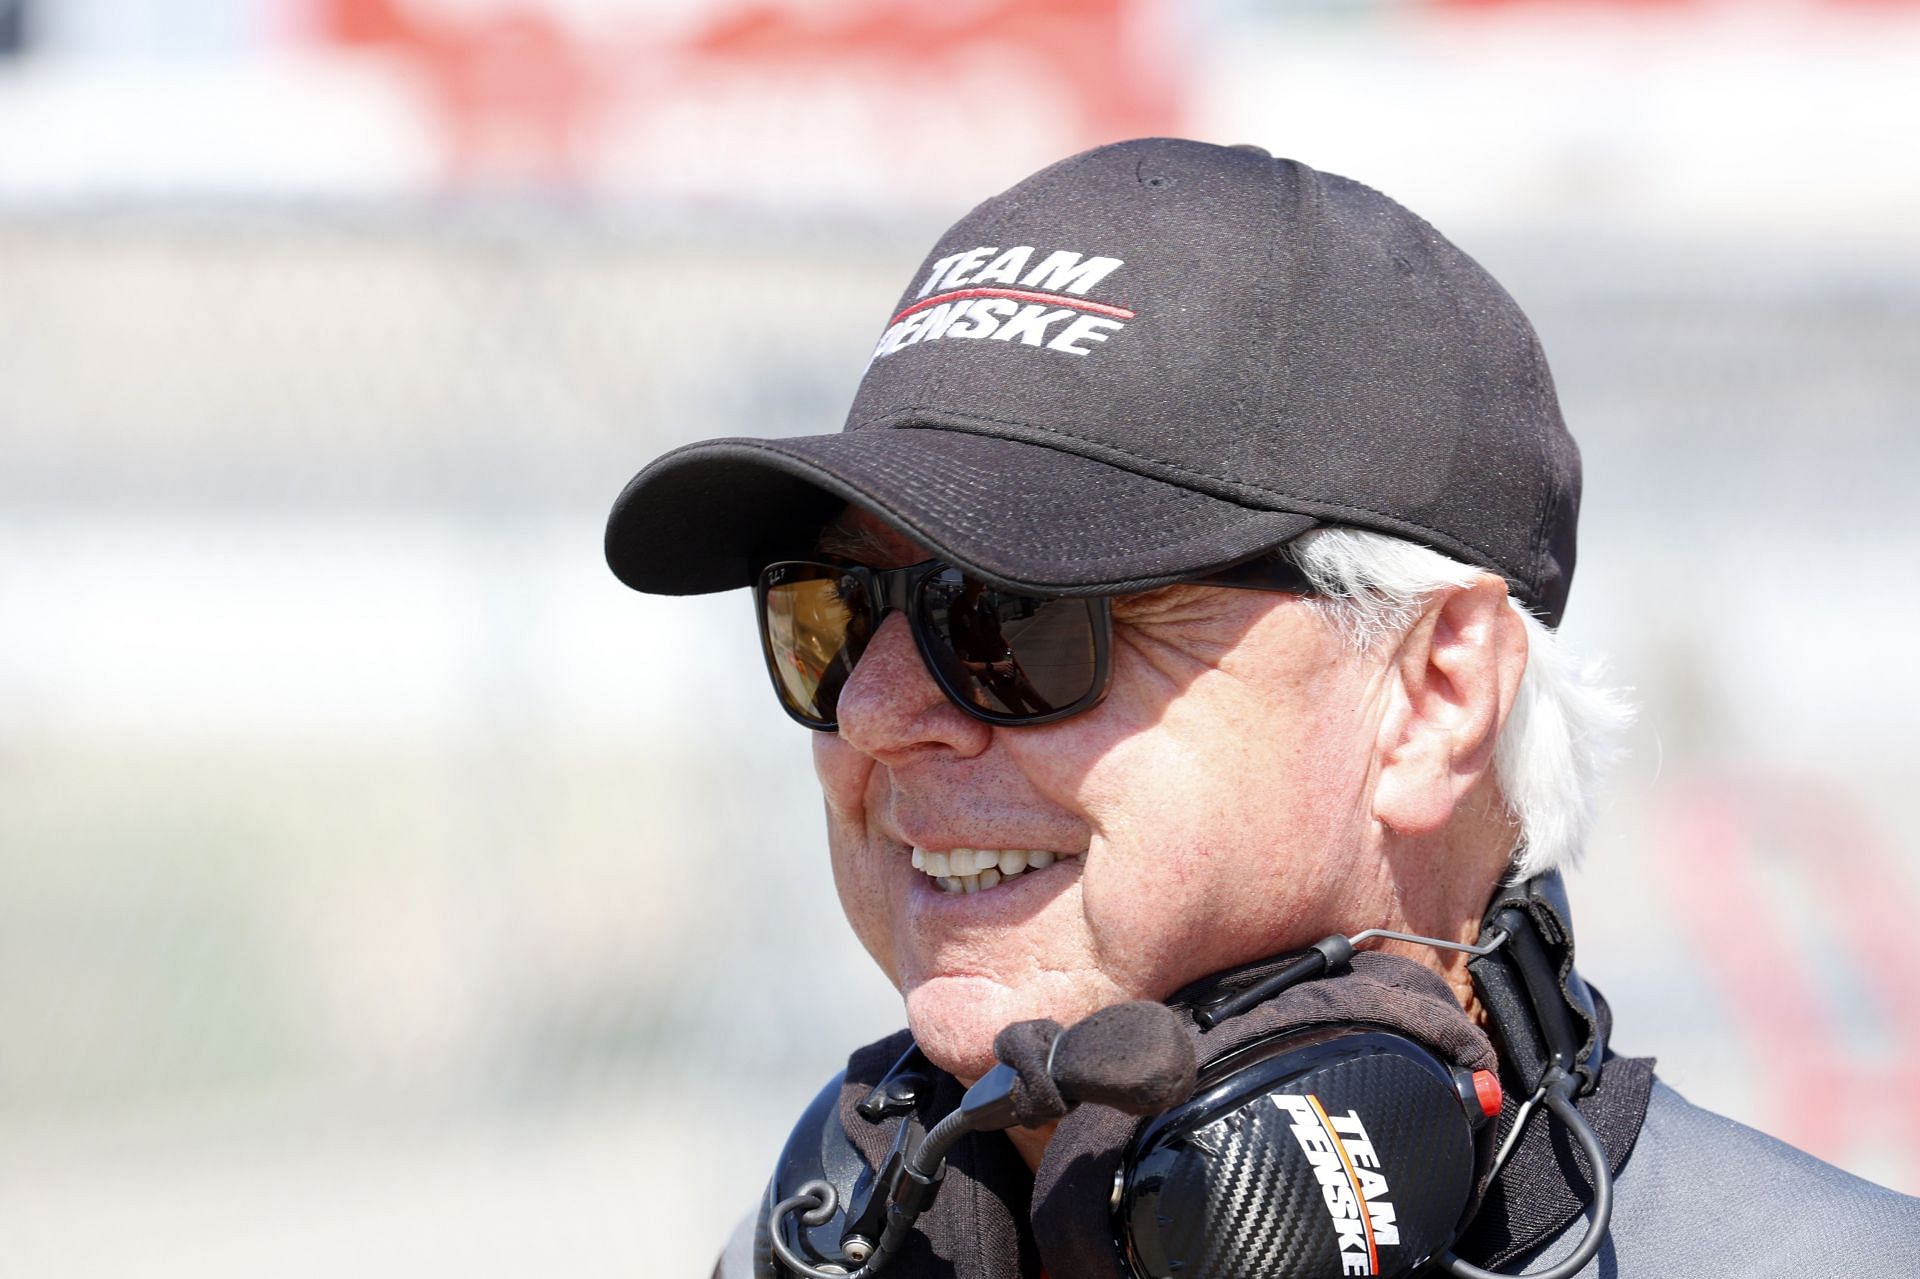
[{"x": 955, "y": 1019}]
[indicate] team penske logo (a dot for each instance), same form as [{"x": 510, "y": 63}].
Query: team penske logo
[
  {"x": 1350, "y": 1180},
  {"x": 1019, "y": 294}
]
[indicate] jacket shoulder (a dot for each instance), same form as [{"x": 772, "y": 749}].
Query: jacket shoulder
[{"x": 1707, "y": 1196}]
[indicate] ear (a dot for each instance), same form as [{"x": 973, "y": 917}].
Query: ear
[{"x": 1455, "y": 675}]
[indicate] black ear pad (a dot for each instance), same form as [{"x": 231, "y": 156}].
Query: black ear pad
[
  {"x": 1395, "y": 1047},
  {"x": 1332, "y": 1152}
]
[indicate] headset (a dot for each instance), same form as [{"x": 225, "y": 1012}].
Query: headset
[{"x": 1342, "y": 1149}]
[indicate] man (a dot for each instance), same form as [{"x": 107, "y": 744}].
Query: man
[{"x": 1070, "y": 760}]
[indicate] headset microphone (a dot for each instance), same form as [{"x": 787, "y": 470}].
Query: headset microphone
[{"x": 1135, "y": 1058}]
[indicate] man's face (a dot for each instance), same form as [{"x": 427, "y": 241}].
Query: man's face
[{"x": 1212, "y": 810}]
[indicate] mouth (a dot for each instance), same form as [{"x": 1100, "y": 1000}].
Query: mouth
[{"x": 978, "y": 870}]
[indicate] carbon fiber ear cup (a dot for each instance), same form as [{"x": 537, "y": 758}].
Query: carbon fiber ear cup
[{"x": 1350, "y": 1153}]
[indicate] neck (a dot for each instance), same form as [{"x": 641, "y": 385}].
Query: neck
[
  {"x": 1450, "y": 964},
  {"x": 1440, "y": 886}
]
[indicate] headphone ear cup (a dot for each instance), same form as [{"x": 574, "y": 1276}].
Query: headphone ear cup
[
  {"x": 1330, "y": 1152},
  {"x": 818, "y": 1150}
]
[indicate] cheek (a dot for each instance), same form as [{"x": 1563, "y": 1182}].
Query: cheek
[
  {"x": 1225, "y": 832},
  {"x": 845, "y": 774}
]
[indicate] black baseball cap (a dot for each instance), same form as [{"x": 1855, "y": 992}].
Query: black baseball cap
[{"x": 1146, "y": 362}]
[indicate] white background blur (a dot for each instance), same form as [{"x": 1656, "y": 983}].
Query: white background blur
[{"x": 384, "y": 890}]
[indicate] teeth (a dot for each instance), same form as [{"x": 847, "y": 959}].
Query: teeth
[{"x": 973, "y": 870}]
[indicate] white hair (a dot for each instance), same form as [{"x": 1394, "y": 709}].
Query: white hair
[{"x": 1564, "y": 730}]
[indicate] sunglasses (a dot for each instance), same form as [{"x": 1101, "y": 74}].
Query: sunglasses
[{"x": 1005, "y": 657}]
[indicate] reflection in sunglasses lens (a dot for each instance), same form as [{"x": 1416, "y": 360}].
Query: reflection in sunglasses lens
[
  {"x": 1009, "y": 653},
  {"x": 816, "y": 630}
]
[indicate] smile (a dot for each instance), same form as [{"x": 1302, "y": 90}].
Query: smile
[{"x": 973, "y": 870}]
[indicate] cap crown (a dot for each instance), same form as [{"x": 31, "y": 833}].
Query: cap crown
[{"x": 1251, "y": 329}]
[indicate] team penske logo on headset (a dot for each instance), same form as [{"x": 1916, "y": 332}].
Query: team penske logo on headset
[
  {"x": 1350, "y": 1180},
  {"x": 1018, "y": 294}
]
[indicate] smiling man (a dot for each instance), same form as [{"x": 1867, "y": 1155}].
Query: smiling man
[
  {"x": 1178, "y": 828},
  {"x": 1180, "y": 594}
]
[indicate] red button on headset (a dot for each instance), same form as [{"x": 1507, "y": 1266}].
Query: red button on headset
[{"x": 1486, "y": 1087}]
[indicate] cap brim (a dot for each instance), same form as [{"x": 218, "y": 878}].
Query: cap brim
[{"x": 707, "y": 516}]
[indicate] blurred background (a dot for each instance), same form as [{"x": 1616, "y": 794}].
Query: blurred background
[{"x": 384, "y": 890}]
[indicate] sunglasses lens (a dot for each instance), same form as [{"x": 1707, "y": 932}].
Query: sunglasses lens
[
  {"x": 1007, "y": 653},
  {"x": 815, "y": 626}
]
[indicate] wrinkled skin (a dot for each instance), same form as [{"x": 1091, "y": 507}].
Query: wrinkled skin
[{"x": 1250, "y": 784}]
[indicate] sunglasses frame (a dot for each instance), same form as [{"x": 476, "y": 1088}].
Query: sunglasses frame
[{"x": 902, "y": 589}]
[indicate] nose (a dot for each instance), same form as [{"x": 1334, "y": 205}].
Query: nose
[{"x": 891, "y": 709}]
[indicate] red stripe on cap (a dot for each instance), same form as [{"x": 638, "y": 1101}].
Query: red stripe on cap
[{"x": 1018, "y": 295}]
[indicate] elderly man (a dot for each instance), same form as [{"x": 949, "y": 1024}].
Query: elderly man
[{"x": 1176, "y": 615}]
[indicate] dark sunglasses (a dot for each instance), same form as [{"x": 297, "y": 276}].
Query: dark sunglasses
[{"x": 1005, "y": 657}]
